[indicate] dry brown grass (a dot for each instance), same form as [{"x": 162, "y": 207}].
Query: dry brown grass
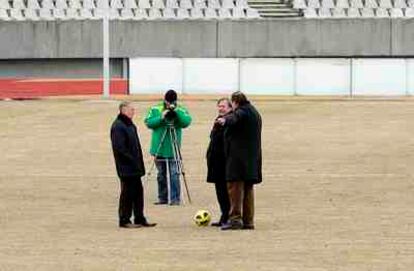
[{"x": 338, "y": 191}]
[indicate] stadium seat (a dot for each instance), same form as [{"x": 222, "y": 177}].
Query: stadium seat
[
  {"x": 367, "y": 13},
  {"x": 299, "y": 4},
  {"x": 252, "y": 13},
  {"x": 61, "y": 4},
  {"x": 200, "y": 4},
  {"x": 353, "y": 13},
  {"x": 400, "y": 4},
  {"x": 409, "y": 13},
  {"x": 101, "y": 4},
  {"x": 327, "y": 4},
  {"x": 357, "y": 4},
  {"x": 126, "y": 14},
  {"x": 182, "y": 13},
  {"x": 186, "y": 4},
  {"x": 343, "y": 4},
  {"x": 86, "y": 14},
  {"x": 144, "y": 4},
  {"x": 168, "y": 13},
  {"x": 114, "y": 14},
  {"x": 158, "y": 4},
  {"x": 45, "y": 14},
  {"x": 227, "y": 4},
  {"x": 48, "y": 4},
  {"x": 116, "y": 4},
  {"x": 16, "y": 14},
  {"x": 4, "y": 4},
  {"x": 32, "y": 15},
  {"x": 310, "y": 13},
  {"x": 75, "y": 4},
  {"x": 171, "y": 4},
  {"x": 371, "y": 4},
  {"x": 314, "y": 4},
  {"x": 385, "y": 4},
  {"x": 238, "y": 13},
  {"x": 33, "y": 4},
  {"x": 140, "y": 14},
  {"x": 19, "y": 4},
  {"x": 325, "y": 13},
  {"x": 213, "y": 4},
  {"x": 224, "y": 13},
  {"x": 338, "y": 13},
  {"x": 196, "y": 13},
  {"x": 59, "y": 14},
  {"x": 242, "y": 4},
  {"x": 382, "y": 13},
  {"x": 72, "y": 14},
  {"x": 154, "y": 14},
  {"x": 4, "y": 15},
  {"x": 410, "y": 3},
  {"x": 396, "y": 13},
  {"x": 88, "y": 4},
  {"x": 130, "y": 4},
  {"x": 210, "y": 13}
]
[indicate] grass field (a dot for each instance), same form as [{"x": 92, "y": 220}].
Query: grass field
[{"x": 338, "y": 191}]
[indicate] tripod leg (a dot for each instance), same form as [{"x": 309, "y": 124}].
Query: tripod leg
[
  {"x": 167, "y": 166},
  {"x": 180, "y": 164}
]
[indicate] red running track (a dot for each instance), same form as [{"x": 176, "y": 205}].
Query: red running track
[{"x": 29, "y": 88}]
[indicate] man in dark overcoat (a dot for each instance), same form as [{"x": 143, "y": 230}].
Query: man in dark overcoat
[
  {"x": 216, "y": 162},
  {"x": 130, "y": 168},
  {"x": 242, "y": 143}
]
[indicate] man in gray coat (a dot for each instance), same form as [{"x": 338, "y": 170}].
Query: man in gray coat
[{"x": 242, "y": 144}]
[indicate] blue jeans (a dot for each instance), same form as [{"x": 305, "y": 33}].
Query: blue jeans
[{"x": 175, "y": 189}]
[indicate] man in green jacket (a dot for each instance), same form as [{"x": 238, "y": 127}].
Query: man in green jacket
[{"x": 164, "y": 119}]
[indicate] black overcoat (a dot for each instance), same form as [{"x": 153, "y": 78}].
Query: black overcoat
[
  {"x": 216, "y": 162},
  {"x": 242, "y": 142},
  {"x": 126, "y": 148}
]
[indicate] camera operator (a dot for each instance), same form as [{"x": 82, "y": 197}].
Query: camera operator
[{"x": 161, "y": 117}]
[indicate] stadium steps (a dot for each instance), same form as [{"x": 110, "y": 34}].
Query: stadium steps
[{"x": 275, "y": 8}]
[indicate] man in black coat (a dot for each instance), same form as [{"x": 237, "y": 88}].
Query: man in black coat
[
  {"x": 130, "y": 168},
  {"x": 216, "y": 162},
  {"x": 242, "y": 143}
]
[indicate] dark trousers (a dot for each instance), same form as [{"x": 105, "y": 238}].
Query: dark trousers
[
  {"x": 241, "y": 196},
  {"x": 223, "y": 200},
  {"x": 131, "y": 199}
]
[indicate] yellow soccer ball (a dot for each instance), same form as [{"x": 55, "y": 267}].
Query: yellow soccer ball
[{"x": 202, "y": 218}]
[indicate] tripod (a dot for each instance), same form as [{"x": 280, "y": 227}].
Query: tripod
[{"x": 177, "y": 157}]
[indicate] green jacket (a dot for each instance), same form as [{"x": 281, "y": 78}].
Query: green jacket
[{"x": 159, "y": 126}]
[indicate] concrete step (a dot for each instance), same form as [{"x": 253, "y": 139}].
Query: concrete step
[{"x": 277, "y": 11}]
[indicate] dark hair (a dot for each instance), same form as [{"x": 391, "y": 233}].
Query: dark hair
[
  {"x": 170, "y": 96},
  {"x": 224, "y": 99},
  {"x": 123, "y": 104},
  {"x": 239, "y": 98}
]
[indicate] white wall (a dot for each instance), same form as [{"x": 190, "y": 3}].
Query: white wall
[
  {"x": 215, "y": 75},
  {"x": 155, "y": 75},
  {"x": 379, "y": 77},
  {"x": 267, "y": 76},
  {"x": 284, "y": 76},
  {"x": 323, "y": 76},
  {"x": 410, "y": 76}
]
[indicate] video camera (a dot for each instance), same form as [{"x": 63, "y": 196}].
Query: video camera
[{"x": 171, "y": 114}]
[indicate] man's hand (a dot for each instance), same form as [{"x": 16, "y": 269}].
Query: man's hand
[{"x": 221, "y": 121}]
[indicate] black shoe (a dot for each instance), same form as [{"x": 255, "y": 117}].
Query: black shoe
[
  {"x": 129, "y": 226},
  {"x": 234, "y": 225},
  {"x": 216, "y": 224},
  {"x": 160, "y": 203},
  {"x": 175, "y": 203}
]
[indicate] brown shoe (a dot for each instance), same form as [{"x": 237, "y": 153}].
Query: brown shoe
[
  {"x": 248, "y": 227},
  {"x": 129, "y": 226},
  {"x": 146, "y": 224}
]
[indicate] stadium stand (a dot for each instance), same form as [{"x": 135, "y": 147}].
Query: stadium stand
[{"x": 34, "y": 10}]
